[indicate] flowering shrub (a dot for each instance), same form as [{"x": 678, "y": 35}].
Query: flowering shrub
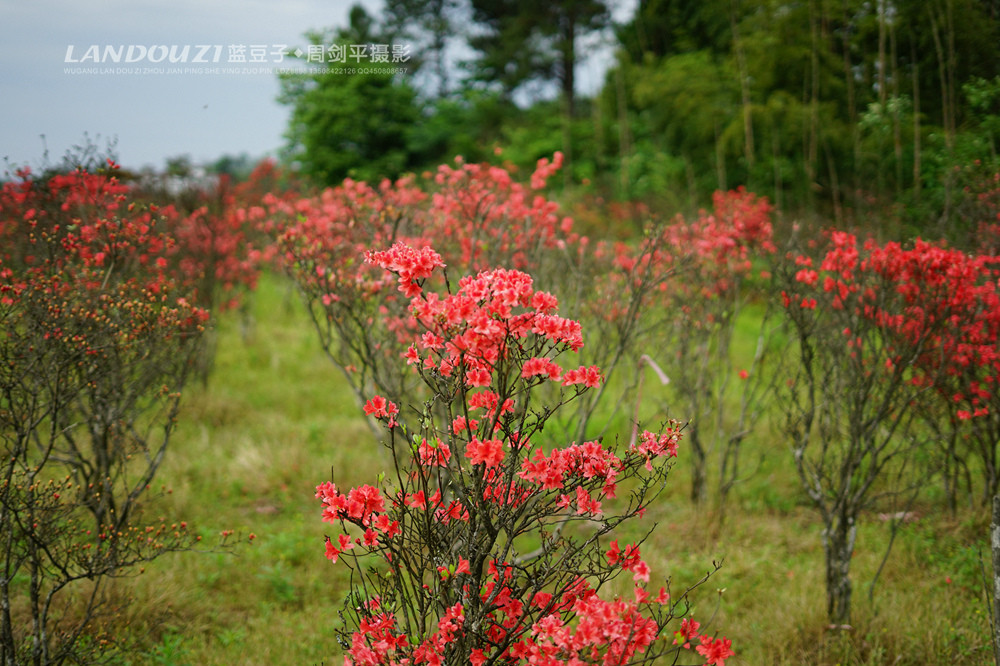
[
  {"x": 877, "y": 326},
  {"x": 938, "y": 310},
  {"x": 96, "y": 342},
  {"x": 484, "y": 545},
  {"x": 706, "y": 302},
  {"x": 947, "y": 303},
  {"x": 215, "y": 251}
]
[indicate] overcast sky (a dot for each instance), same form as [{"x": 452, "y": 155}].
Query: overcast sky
[{"x": 49, "y": 86}]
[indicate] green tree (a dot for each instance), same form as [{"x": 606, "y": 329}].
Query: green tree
[
  {"x": 690, "y": 99},
  {"x": 670, "y": 27},
  {"x": 507, "y": 57},
  {"x": 430, "y": 25},
  {"x": 842, "y": 104},
  {"x": 467, "y": 123},
  {"x": 525, "y": 41},
  {"x": 353, "y": 124}
]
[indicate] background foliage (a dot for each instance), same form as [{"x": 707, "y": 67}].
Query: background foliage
[{"x": 866, "y": 112}]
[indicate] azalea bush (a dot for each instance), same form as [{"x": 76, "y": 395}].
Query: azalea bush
[
  {"x": 484, "y": 543},
  {"x": 97, "y": 340},
  {"x": 884, "y": 332},
  {"x": 215, "y": 248},
  {"x": 949, "y": 308},
  {"x": 721, "y": 389}
]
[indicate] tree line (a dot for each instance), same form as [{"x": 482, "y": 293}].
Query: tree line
[{"x": 857, "y": 109}]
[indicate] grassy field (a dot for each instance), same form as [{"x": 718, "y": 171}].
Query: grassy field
[{"x": 275, "y": 418}]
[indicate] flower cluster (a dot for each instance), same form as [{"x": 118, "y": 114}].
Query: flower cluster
[
  {"x": 473, "y": 329},
  {"x": 106, "y": 224},
  {"x": 715, "y": 650},
  {"x": 722, "y": 244},
  {"x": 937, "y": 309},
  {"x": 476, "y": 217}
]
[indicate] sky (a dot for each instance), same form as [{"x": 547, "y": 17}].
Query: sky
[{"x": 60, "y": 84}]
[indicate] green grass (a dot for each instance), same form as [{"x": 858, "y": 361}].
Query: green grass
[{"x": 276, "y": 416}]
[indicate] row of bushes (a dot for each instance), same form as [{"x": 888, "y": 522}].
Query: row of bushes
[{"x": 466, "y": 312}]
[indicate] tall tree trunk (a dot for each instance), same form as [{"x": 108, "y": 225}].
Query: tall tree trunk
[
  {"x": 883, "y": 97},
  {"x": 812, "y": 143},
  {"x": 720, "y": 163},
  {"x": 741, "y": 65},
  {"x": 852, "y": 110},
  {"x": 897, "y": 138},
  {"x": 917, "y": 180},
  {"x": 944, "y": 46},
  {"x": 568, "y": 82},
  {"x": 882, "y": 92},
  {"x": 831, "y": 165},
  {"x": 439, "y": 46},
  {"x": 624, "y": 138},
  {"x": 699, "y": 476}
]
